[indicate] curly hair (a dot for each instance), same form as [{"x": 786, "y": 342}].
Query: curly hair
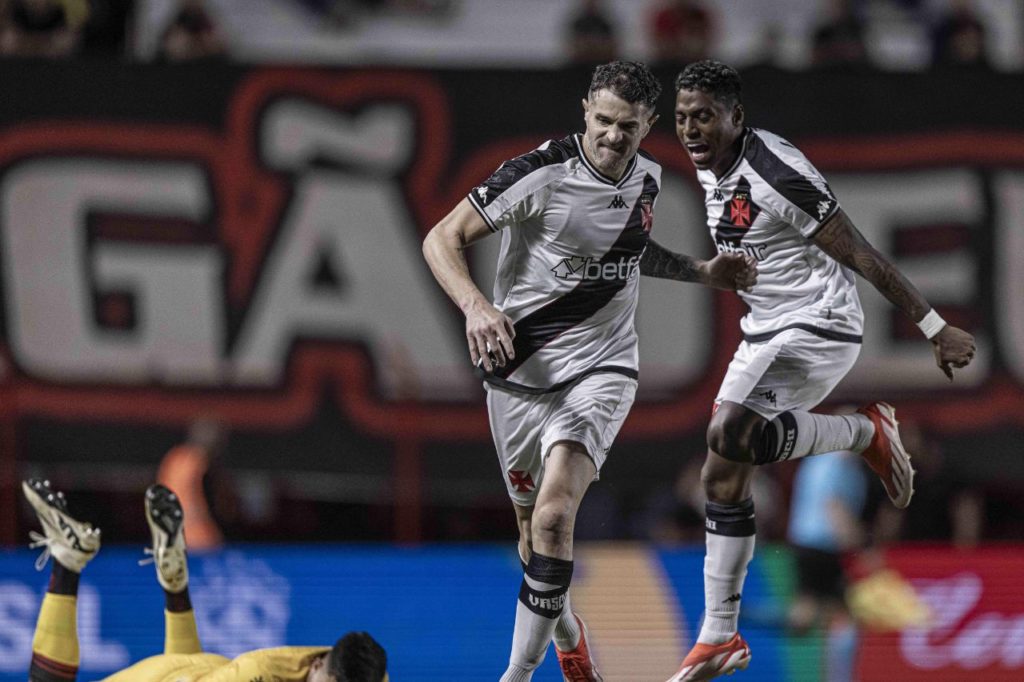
[
  {"x": 357, "y": 657},
  {"x": 715, "y": 78},
  {"x": 632, "y": 81}
]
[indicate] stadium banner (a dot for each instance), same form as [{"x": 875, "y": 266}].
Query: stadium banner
[
  {"x": 442, "y": 613},
  {"x": 976, "y": 631},
  {"x": 244, "y": 243},
  {"x": 643, "y": 608}
]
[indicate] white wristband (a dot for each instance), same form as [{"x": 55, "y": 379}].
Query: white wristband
[{"x": 931, "y": 324}]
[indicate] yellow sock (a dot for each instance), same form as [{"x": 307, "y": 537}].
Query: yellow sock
[
  {"x": 56, "y": 637},
  {"x": 180, "y": 634}
]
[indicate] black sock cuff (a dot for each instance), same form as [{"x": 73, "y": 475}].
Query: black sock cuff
[
  {"x": 43, "y": 669},
  {"x": 177, "y": 602},
  {"x": 546, "y": 603},
  {"x": 549, "y": 570},
  {"x": 777, "y": 440},
  {"x": 63, "y": 580},
  {"x": 733, "y": 520}
]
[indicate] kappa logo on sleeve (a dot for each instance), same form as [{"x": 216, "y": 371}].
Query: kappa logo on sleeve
[
  {"x": 482, "y": 195},
  {"x": 823, "y": 208}
]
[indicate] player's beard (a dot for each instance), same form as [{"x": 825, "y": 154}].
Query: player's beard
[{"x": 612, "y": 163}]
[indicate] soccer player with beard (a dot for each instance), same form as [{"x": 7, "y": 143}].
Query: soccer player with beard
[
  {"x": 801, "y": 336},
  {"x": 557, "y": 349}
]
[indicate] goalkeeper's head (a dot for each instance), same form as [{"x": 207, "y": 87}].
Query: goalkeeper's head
[{"x": 356, "y": 657}]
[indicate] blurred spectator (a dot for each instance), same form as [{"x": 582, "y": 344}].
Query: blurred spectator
[
  {"x": 768, "y": 47},
  {"x": 106, "y": 33},
  {"x": 339, "y": 13},
  {"x": 681, "y": 31},
  {"x": 599, "y": 516},
  {"x": 191, "y": 35},
  {"x": 438, "y": 9},
  {"x": 186, "y": 470},
  {"x": 839, "y": 41},
  {"x": 958, "y": 39},
  {"x": 345, "y": 13},
  {"x": 829, "y": 493},
  {"x": 674, "y": 514},
  {"x": 42, "y": 28},
  {"x": 590, "y": 35},
  {"x": 944, "y": 508}
]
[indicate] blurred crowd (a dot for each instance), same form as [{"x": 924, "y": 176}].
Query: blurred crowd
[
  {"x": 104, "y": 28},
  {"x": 675, "y": 32},
  {"x": 682, "y": 31}
]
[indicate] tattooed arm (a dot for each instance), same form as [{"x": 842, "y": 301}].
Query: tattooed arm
[
  {"x": 843, "y": 242},
  {"x": 658, "y": 261},
  {"x": 725, "y": 271}
]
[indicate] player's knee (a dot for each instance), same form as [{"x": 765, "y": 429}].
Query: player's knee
[
  {"x": 728, "y": 440},
  {"x": 552, "y": 522}
]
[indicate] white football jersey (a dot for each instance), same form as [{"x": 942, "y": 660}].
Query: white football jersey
[
  {"x": 568, "y": 268},
  {"x": 769, "y": 205}
]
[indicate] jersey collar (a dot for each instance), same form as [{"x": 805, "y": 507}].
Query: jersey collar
[
  {"x": 739, "y": 157},
  {"x": 578, "y": 139}
]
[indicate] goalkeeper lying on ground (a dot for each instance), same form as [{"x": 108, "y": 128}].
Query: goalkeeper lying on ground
[{"x": 356, "y": 657}]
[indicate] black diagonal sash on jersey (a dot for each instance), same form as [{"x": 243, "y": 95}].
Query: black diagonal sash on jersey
[
  {"x": 547, "y": 323},
  {"x": 816, "y": 202}
]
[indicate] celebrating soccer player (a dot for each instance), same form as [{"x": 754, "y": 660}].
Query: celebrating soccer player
[
  {"x": 800, "y": 337},
  {"x": 557, "y": 348}
]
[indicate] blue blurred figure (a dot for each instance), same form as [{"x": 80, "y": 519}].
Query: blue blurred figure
[{"x": 829, "y": 496}]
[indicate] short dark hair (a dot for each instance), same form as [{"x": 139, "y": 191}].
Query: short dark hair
[
  {"x": 357, "y": 657},
  {"x": 632, "y": 81},
  {"x": 719, "y": 80}
]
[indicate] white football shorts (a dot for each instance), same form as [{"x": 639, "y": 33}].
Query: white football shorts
[
  {"x": 525, "y": 426},
  {"x": 794, "y": 370}
]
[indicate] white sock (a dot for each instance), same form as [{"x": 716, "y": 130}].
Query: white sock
[
  {"x": 517, "y": 674},
  {"x": 730, "y": 547},
  {"x": 796, "y": 434},
  {"x": 541, "y": 601}
]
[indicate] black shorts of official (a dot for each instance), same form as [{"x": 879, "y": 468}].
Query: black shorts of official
[{"x": 820, "y": 574}]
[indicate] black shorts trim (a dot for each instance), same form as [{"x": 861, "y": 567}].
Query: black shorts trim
[
  {"x": 810, "y": 328},
  {"x": 562, "y": 385}
]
